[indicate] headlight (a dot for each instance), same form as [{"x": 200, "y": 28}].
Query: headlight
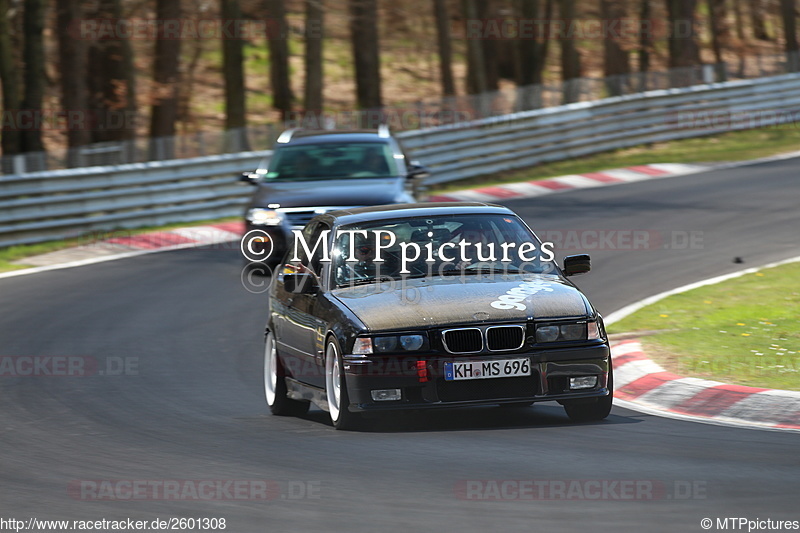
[
  {"x": 264, "y": 217},
  {"x": 390, "y": 343},
  {"x": 573, "y": 332},
  {"x": 568, "y": 332},
  {"x": 547, "y": 333},
  {"x": 385, "y": 344},
  {"x": 412, "y": 342}
]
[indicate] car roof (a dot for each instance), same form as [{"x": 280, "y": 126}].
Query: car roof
[
  {"x": 301, "y": 136},
  {"x": 390, "y": 211}
]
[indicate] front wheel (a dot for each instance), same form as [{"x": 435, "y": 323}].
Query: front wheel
[
  {"x": 336, "y": 388},
  {"x": 275, "y": 384},
  {"x": 582, "y": 411}
]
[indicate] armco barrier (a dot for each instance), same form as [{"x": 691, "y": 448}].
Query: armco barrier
[
  {"x": 57, "y": 204},
  {"x": 42, "y": 206},
  {"x": 557, "y": 133}
]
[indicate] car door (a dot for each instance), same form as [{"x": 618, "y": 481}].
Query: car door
[{"x": 302, "y": 327}]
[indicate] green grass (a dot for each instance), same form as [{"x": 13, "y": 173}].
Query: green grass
[
  {"x": 743, "y": 331},
  {"x": 731, "y": 146},
  {"x": 11, "y": 254}
]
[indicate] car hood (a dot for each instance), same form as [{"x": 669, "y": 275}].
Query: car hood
[
  {"x": 339, "y": 192},
  {"x": 433, "y": 302}
]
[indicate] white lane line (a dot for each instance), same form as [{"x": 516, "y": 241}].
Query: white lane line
[
  {"x": 618, "y": 315},
  {"x": 94, "y": 260}
]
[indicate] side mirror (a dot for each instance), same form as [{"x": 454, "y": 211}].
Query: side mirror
[
  {"x": 577, "y": 264},
  {"x": 251, "y": 178},
  {"x": 417, "y": 170},
  {"x": 300, "y": 283}
]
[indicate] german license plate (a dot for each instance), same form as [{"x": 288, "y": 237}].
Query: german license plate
[{"x": 504, "y": 368}]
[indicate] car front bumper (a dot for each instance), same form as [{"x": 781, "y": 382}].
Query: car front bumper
[{"x": 423, "y": 385}]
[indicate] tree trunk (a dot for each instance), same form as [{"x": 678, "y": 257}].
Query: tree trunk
[
  {"x": 645, "y": 39},
  {"x": 9, "y": 77},
  {"x": 366, "y": 52},
  {"x": 486, "y": 11},
  {"x": 233, "y": 72},
  {"x": 570, "y": 58},
  {"x": 683, "y": 50},
  {"x": 545, "y": 45},
  {"x": 33, "y": 53},
  {"x": 72, "y": 67},
  {"x": 278, "y": 38},
  {"x": 789, "y": 17},
  {"x": 616, "y": 64},
  {"x": 720, "y": 33},
  {"x": 476, "y": 64},
  {"x": 112, "y": 82},
  {"x": 166, "y": 81},
  {"x": 737, "y": 10},
  {"x": 315, "y": 24},
  {"x": 445, "y": 47},
  {"x": 531, "y": 53},
  {"x": 531, "y": 62},
  {"x": 757, "y": 16}
]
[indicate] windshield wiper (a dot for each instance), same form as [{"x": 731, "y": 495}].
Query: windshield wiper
[{"x": 366, "y": 281}]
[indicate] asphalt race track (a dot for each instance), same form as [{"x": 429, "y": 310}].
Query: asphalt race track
[{"x": 178, "y": 341}]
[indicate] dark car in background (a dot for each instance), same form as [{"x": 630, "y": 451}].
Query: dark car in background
[
  {"x": 356, "y": 331},
  {"x": 315, "y": 171}
]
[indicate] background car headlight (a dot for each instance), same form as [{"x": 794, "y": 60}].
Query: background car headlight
[
  {"x": 264, "y": 217},
  {"x": 412, "y": 342}
]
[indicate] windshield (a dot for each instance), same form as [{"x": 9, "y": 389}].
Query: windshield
[
  {"x": 437, "y": 246},
  {"x": 333, "y": 161}
]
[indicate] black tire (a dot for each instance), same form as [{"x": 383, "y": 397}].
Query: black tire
[
  {"x": 336, "y": 389},
  {"x": 583, "y": 411},
  {"x": 275, "y": 390}
]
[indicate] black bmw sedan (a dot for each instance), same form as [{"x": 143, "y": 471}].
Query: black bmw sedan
[{"x": 426, "y": 306}]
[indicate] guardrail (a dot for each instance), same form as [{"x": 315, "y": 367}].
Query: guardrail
[
  {"x": 573, "y": 130},
  {"x": 42, "y": 206}
]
